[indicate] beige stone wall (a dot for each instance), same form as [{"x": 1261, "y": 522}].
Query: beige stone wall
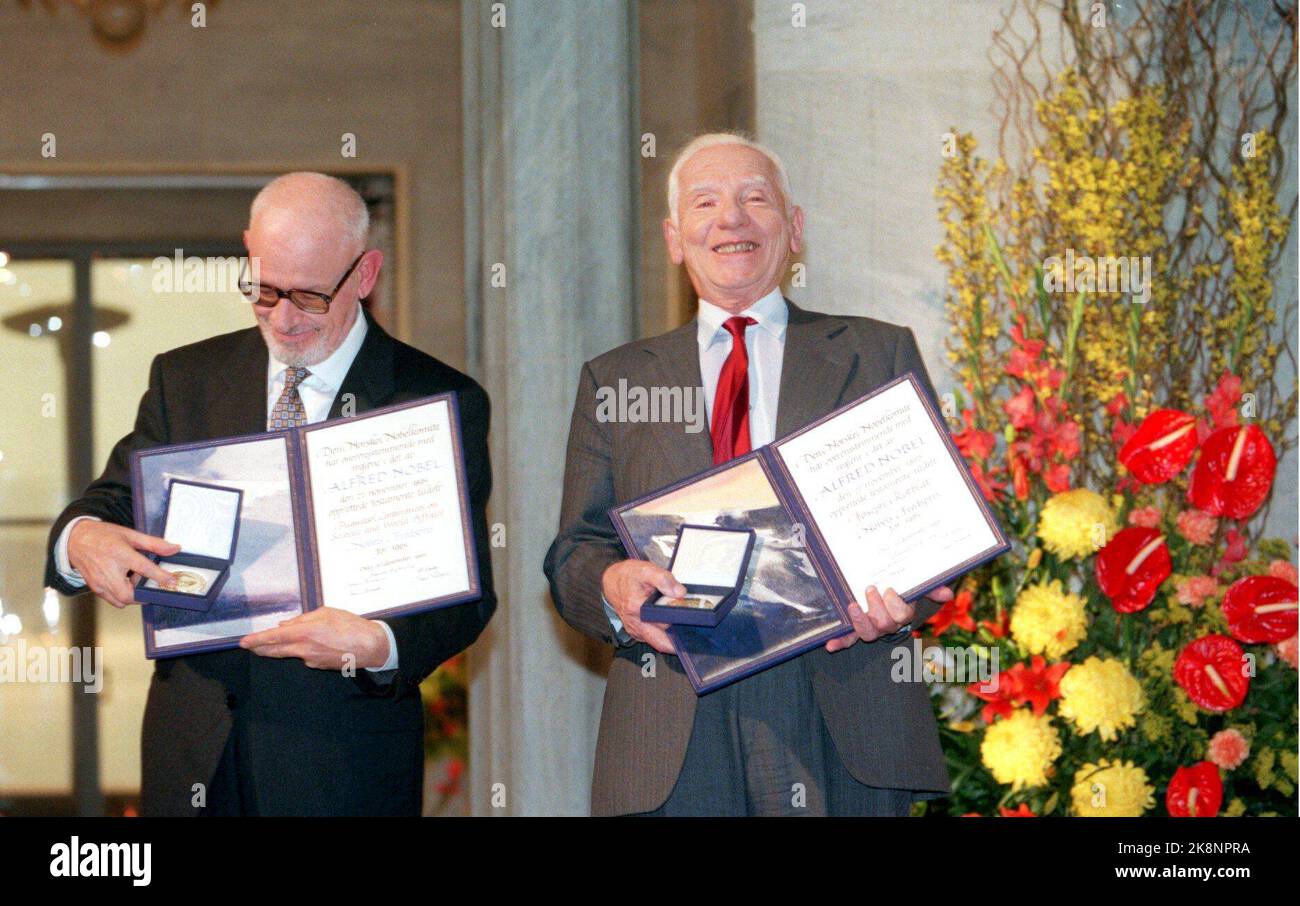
[
  {"x": 265, "y": 86},
  {"x": 697, "y": 75}
]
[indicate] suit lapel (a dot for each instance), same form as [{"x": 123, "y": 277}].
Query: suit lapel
[
  {"x": 675, "y": 362},
  {"x": 240, "y": 407},
  {"x": 370, "y": 382},
  {"x": 817, "y": 366}
]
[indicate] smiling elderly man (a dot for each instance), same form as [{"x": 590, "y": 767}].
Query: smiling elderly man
[
  {"x": 278, "y": 728},
  {"x": 824, "y": 733}
]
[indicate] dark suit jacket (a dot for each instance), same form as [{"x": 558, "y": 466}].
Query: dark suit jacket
[
  {"x": 884, "y": 731},
  {"x": 317, "y": 742}
]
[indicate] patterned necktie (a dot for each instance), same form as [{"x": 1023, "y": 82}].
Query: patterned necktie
[
  {"x": 730, "y": 428},
  {"x": 289, "y": 411}
]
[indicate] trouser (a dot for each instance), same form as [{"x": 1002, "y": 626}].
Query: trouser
[
  {"x": 230, "y": 794},
  {"x": 760, "y": 747}
]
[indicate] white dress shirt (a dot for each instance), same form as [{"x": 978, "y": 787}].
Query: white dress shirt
[
  {"x": 765, "y": 346},
  {"x": 317, "y": 391}
]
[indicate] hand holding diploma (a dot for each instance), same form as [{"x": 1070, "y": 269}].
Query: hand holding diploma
[
  {"x": 323, "y": 638},
  {"x": 885, "y": 614},
  {"x": 109, "y": 556},
  {"x": 626, "y": 585}
]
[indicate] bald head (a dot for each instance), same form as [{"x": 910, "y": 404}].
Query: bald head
[{"x": 323, "y": 206}]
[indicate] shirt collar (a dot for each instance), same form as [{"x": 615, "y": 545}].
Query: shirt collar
[
  {"x": 334, "y": 368},
  {"x": 771, "y": 313}
]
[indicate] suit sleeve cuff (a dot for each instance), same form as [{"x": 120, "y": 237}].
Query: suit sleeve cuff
[
  {"x": 619, "y": 632},
  {"x": 61, "y": 562}
]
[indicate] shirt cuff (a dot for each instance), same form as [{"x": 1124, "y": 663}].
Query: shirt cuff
[
  {"x": 61, "y": 563},
  {"x": 619, "y": 632},
  {"x": 391, "y": 663}
]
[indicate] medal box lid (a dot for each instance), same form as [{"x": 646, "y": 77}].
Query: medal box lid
[
  {"x": 711, "y": 560},
  {"x": 203, "y": 518}
]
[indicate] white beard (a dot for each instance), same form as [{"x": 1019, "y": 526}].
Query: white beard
[{"x": 312, "y": 354}]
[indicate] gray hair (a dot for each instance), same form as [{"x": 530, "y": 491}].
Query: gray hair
[
  {"x": 333, "y": 198},
  {"x": 709, "y": 140}
]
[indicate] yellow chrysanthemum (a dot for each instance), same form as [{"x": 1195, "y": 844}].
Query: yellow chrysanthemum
[
  {"x": 1111, "y": 789},
  {"x": 1048, "y": 620},
  {"x": 1101, "y": 695},
  {"x": 1020, "y": 749},
  {"x": 1076, "y": 523}
]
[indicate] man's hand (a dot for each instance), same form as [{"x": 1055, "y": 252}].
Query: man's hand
[
  {"x": 627, "y": 584},
  {"x": 323, "y": 638},
  {"x": 109, "y": 559},
  {"x": 885, "y": 614}
]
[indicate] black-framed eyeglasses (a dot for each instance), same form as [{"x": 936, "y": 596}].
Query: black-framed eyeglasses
[{"x": 308, "y": 300}]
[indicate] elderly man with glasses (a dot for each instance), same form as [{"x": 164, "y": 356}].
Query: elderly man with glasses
[{"x": 278, "y": 726}]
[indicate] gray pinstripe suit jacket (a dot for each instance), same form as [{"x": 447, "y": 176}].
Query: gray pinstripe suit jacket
[{"x": 884, "y": 731}]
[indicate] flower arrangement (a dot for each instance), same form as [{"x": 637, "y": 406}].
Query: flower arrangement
[
  {"x": 1127, "y": 438},
  {"x": 446, "y": 735}
]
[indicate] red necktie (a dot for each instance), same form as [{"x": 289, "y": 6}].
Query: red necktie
[{"x": 730, "y": 428}]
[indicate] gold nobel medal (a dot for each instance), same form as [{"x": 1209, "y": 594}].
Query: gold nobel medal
[
  {"x": 190, "y": 583},
  {"x": 697, "y": 603}
]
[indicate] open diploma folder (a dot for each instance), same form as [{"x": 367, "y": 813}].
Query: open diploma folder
[
  {"x": 874, "y": 493},
  {"x": 368, "y": 514}
]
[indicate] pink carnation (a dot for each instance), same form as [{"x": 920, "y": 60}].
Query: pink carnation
[
  {"x": 1228, "y": 749},
  {"x": 1147, "y": 517},
  {"x": 1280, "y": 569},
  {"x": 1196, "y": 526},
  {"x": 1286, "y": 650},
  {"x": 1193, "y": 590}
]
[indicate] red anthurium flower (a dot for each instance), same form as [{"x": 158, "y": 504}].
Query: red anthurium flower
[
  {"x": 1235, "y": 472},
  {"x": 1021, "y": 812},
  {"x": 954, "y": 613},
  {"x": 1210, "y": 672},
  {"x": 1131, "y": 567},
  {"x": 1261, "y": 609},
  {"x": 1195, "y": 792},
  {"x": 1037, "y": 684},
  {"x": 1162, "y": 446}
]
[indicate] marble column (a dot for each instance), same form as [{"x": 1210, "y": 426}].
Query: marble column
[{"x": 549, "y": 95}]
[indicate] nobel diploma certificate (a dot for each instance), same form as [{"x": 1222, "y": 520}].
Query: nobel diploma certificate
[
  {"x": 386, "y": 509},
  {"x": 367, "y": 513},
  {"x": 887, "y": 495},
  {"x": 874, "y": 493}
]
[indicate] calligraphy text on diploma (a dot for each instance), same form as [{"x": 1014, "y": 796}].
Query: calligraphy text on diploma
[
  {"x": 890, "y": 502},
  {"x": 389, "y": 528}
]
